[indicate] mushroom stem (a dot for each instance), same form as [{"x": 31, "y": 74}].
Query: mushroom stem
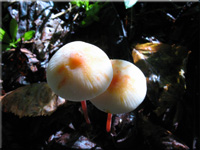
[
  {"x": 84, "y": 108},
  {"x": 109, "y": 121}
]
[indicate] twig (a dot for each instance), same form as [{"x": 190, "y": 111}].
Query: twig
[{"x": 64, "y": 12}]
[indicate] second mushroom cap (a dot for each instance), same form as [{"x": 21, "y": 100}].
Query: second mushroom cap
[{"x": 126, "y": 91}]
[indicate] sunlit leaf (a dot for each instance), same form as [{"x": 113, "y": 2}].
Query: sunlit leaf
[
  {"x": 28, "y": 35},
  {"x": 80, "y": 3},
  {"x": 86, "y": 4},
  {"x": 2, "y": 32},
  {"x": 12, "y": 44},
  {"x": 19, "y": 39},
  {"x": 4, "y": 37}
]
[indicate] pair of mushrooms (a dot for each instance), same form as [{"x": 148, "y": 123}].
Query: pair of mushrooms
[{"x": 80, "y": 71}]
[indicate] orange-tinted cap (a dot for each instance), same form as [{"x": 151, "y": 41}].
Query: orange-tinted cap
[
  {"x": 79, "y": 71},
  {"x": 126, "y": 91}
]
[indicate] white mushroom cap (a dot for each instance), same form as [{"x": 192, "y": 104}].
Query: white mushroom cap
[
  {"x": 79, "y": 71},
  {"x": 126, "y": 91}
]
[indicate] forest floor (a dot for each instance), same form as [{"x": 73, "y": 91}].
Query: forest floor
[{"x": 162, "y": 39}]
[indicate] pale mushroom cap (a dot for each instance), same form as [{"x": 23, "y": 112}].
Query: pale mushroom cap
[
  {"x": 126, "y": 91},
  {"x": 79, "y": 71}
]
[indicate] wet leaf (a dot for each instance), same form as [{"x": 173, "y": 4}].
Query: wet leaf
[
  {"x": 32, "y": 100},
  {"x": 162, "y": 65},
  {"x": 161, "y": 59}
]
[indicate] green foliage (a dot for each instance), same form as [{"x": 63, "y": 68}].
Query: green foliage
[
  {"x": 92, "y": 10},
  {"x": 9, "y": 40},
  {"x": 81, "y": 3},
  {"x": 28, "y": 35},
  {"x": 13, "y": 29}
]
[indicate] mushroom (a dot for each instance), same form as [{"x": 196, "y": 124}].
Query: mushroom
[
  {"x": 125, "y": 93},
  {"x": 79, "y": 71}
]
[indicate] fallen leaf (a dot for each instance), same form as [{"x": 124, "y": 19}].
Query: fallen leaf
[{"x": 32, "y": 100}]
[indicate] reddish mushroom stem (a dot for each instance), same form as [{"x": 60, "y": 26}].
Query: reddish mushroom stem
[
  {"x": 84, "y": 108},
  {"x": 109, "y": 121}
]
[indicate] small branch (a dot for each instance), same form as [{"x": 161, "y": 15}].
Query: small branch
[{"x": 64, "y": 12}]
